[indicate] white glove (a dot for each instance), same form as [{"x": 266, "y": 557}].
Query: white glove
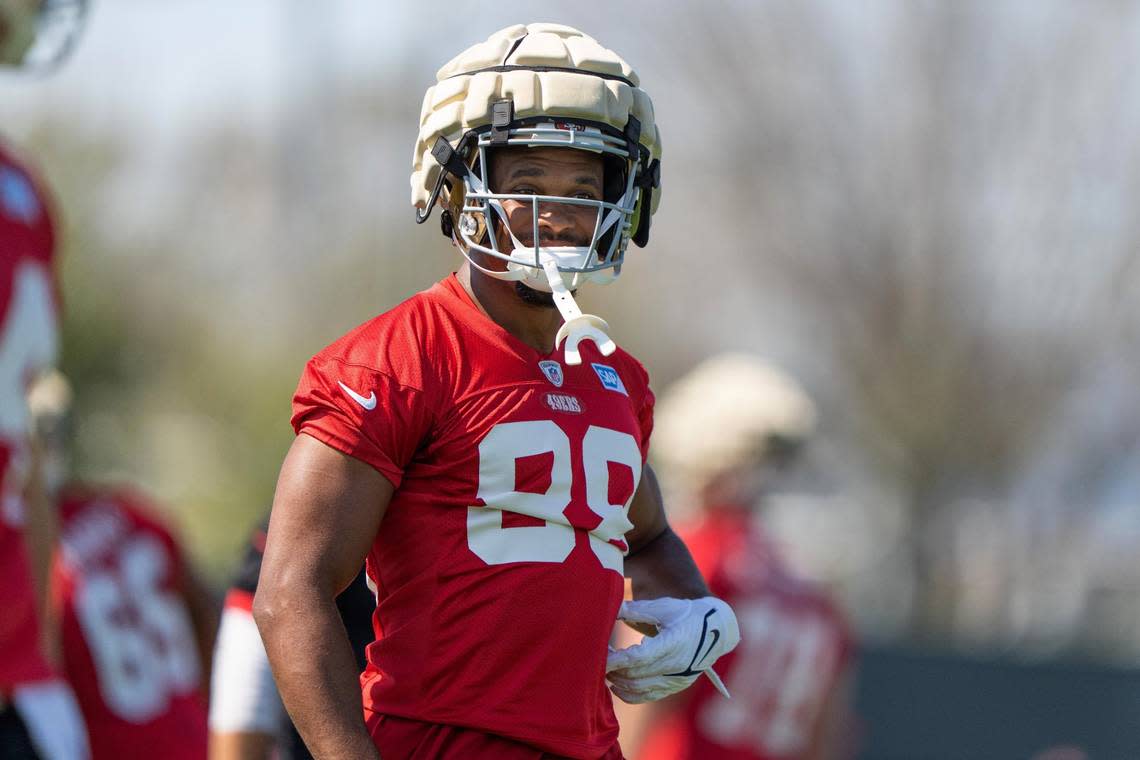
[{"x": 691, "y": 635}]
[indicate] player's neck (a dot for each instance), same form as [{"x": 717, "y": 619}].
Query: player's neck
[{"x": 535, "y": 326}]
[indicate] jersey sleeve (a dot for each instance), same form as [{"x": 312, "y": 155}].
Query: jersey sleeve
[
  {"x": 366, "y": 413},
  {"x": 243, "y": 695}
]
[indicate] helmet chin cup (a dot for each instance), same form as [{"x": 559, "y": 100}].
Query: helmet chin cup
[
  {"x": 523, "y": 260},
  {"x": 576, "y": 326}
]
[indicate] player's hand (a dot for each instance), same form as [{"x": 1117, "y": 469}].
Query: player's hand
[{"x": 691, "y": 635}]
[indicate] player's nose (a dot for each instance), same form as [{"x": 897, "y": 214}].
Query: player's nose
[{"x": 563, "y": 224}]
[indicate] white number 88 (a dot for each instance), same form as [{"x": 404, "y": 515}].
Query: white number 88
[{"x": 554, "y": 540}]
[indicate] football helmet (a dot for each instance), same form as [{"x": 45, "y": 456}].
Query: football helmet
[
  {"x": 530, "y": 86},
  {"x": 733, "y": 413},
  {"x": 39, "y": 34}
]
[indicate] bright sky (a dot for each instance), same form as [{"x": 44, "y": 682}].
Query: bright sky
[{"x": 165, "y": 65}]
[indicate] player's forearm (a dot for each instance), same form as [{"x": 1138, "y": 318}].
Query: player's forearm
[
  {"x": 664, "y": 567},
  {"x": 315, "y": 671},
  {"x": 241, "y": 745},
  {"x": 40, "y": 535}
]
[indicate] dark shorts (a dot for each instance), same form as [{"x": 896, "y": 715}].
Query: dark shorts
[
  {"x": 15, "y": 742},
  {"x": 404, "y": 739}
]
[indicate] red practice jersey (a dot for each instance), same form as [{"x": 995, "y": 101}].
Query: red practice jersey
[
  {"x": 28, "y": 342},
  {"x": 128, "y": 641},
  {"x": 498, "y": 565},
  {"x": 794, "y": 645}
]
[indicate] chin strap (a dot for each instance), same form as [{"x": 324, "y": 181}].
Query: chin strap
[{"x": 576, "y": 326}]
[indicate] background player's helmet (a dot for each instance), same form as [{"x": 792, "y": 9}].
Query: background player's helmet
[
  {"x": 538, "y": 85},
  {"x": 733, "y": 414},
  {"x": 39, "y": 33}
]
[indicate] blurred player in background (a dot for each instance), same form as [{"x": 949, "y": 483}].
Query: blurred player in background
[
  {"x": 247, "y": 719},
  {"x": 725, "y": 434},
  {"x": 483, "y": 445},
  {"x": 38, "y": 717},
  {"x": 136, "y": 627}
]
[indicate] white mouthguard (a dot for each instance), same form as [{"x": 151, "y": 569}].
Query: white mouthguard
[{"x": 576, "y": 326}]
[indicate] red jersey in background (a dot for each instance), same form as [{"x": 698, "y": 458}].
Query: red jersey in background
[
  {"x": 128, "y": 641},
  {"x": 498, "y": 565},
  {"x": 28, "y": 344},
  {"x": 794, "y": 646}
]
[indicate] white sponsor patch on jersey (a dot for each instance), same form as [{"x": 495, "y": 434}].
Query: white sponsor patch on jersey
[{"x": 611, "y": 380}]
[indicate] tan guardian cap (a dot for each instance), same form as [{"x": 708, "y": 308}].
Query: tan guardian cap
[{"x": 545, "y": 71}]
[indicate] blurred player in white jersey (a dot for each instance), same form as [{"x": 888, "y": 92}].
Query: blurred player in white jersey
[
  {"x": 38, "y": 717},
  {"x": 247, "y": 719},
  {"x": 136, "y": 627},
  {"x": 725, "y": 432}
]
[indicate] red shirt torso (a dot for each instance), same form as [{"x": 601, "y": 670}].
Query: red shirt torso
[
  {"x": 794, "y": 646},
  {"x": 128, "y": 641},
  {"x": 28, "y": 342},
  {"x": 498, "y": 564}
]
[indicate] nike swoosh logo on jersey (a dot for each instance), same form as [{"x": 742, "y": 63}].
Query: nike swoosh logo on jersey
[{"x": 368, "y": 403}]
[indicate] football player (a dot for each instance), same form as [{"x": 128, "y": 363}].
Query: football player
[
  {"x": 790, "y": 679},
  {"x": 38, "y": 716},
  {"x": 136, "y": 627},
  {"x": 483, "y": 445},
  {"x": 247, "y": 719}
]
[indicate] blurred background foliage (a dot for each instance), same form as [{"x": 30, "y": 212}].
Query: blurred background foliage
[{"x": 925, "y": 210}]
